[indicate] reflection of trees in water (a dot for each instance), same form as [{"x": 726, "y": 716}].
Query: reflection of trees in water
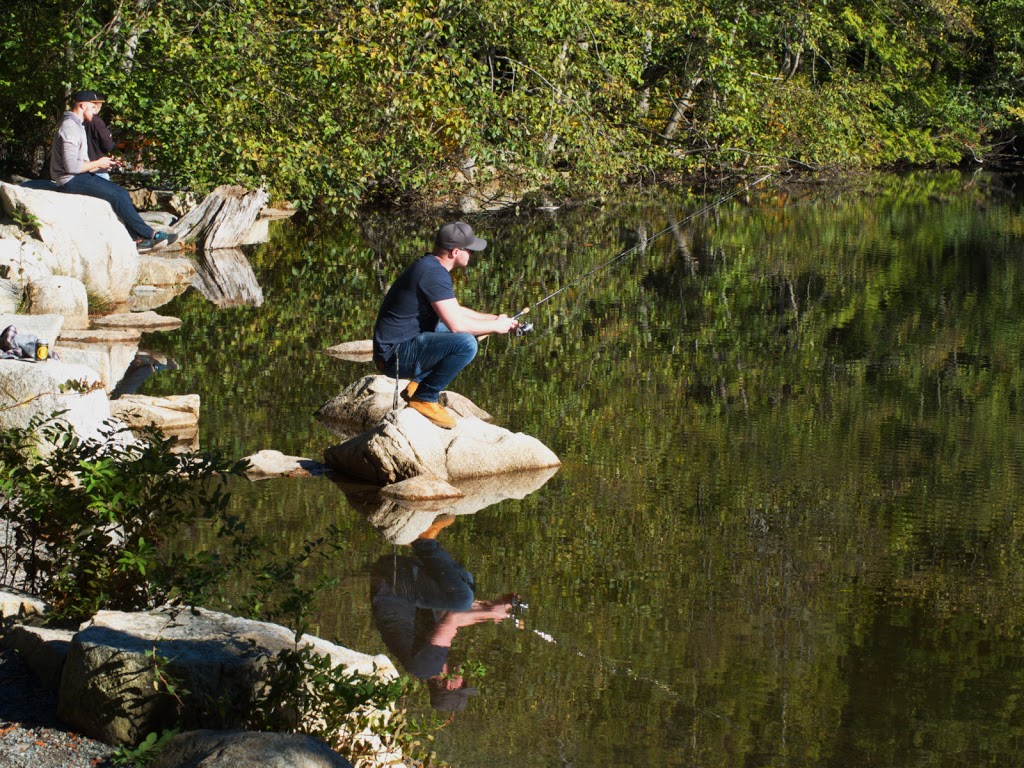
[{"x": 837, "y": 565}]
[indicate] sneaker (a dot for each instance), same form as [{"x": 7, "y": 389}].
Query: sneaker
[
  {"x": 436, "y": 413},
  {"x": 410, "y": 390},
  {"x": 155, "y": 243}
]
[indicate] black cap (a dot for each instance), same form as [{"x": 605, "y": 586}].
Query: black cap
[
  {"x": 458, "y": 234},
  {"x": 81, "y": 96}
]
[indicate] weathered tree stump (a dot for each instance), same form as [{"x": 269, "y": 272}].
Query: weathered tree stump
[{"x": 223, "y": 219}]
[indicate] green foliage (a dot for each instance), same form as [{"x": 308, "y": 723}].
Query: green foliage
[
  {"x": 26, "y": 220},
  {"x": 307, "y": 693},
  {"x": 336, "y": 105},
  {"x": 88, "y": 523},
  {"x": 144, "y": 753}
]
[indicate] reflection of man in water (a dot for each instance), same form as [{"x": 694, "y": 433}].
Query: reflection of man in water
[{"x": 420, "y": 603}]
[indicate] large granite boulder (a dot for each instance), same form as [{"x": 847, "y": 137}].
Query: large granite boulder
[
  {"x": 48, "y": 327},
  {"x": 31, "y": 389},
  {"x": 171, "y": 414},
  {"x": 176, "y": 416},
  {"x": 217, "y": 660},
  {"x": 406, "y": 444},
  {"x": 84, "y": 235},
  {"x": 364, "y": 404},
  {"x": 246, "y": 749}
]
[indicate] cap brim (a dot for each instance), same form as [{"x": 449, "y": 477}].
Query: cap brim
[{"x": 478, "y": 244}]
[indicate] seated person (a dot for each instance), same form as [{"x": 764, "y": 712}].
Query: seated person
[{"x": 72, "y": 171}]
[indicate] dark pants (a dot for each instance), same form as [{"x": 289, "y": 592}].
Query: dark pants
[
  {"x": 432, "y": 359},
  {"x": 93, "y": 186}
]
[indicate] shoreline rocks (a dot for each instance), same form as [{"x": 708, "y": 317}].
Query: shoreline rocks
[{"x": 104, "y": 675}]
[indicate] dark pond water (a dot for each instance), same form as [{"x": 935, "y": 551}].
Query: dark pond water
[{"x": 787, "y": 529}]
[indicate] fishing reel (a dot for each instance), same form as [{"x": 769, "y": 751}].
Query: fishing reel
[
  {"x": 524, "y": 327},
  {"x": 519, "y": 608}
]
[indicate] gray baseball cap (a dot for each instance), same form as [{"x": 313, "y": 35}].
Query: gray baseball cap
[{"x": 458, "y": 234}]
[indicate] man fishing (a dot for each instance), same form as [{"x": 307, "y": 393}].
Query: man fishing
[{"x": 422, "y": 332}]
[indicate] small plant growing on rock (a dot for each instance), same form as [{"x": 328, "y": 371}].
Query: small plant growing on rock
[{"x": 26, "y": 221}]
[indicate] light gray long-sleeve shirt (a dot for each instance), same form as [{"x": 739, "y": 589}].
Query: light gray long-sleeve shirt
[{"x": 70, "y": 149}]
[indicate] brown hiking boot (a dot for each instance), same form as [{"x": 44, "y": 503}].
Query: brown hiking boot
[
  {"x": 440, "y": 523},
  {"x": 410, "y": 390},
  {"x": 436, "y": 413}
]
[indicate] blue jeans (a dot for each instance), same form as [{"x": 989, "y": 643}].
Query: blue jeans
[
  {"x": 119, "y": 199},
  {"x": 432, "y": 360}
]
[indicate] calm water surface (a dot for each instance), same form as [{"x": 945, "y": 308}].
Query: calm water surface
[{"x": 787, "y": 527}]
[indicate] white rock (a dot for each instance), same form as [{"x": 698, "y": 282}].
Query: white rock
[
  {"x": 109, "y": 359},
  {"x": 26, "y": 259},
  {"x": 149, "y": 297},
  {"x": 18, "y": 605},
  {"x": 268, "y": 463},
  {"x": 86, "y": 237},
  {"x": 161, "y": 270},
  {"x": 406, "y": 444},
  {"x": 364, "y": 404},
  {"x": 47, "y": 327},
  {"x": 31, "y": 389},
  {"x": 143, "y": 320},
  {"x": 354, "y": 351},
  {"x": 175, "y": 413}
]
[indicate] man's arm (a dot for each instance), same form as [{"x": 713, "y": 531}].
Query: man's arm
[{"x": 465, "y": 320}]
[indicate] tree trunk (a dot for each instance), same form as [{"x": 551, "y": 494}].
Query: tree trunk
[{"x": 681, "y": 107}]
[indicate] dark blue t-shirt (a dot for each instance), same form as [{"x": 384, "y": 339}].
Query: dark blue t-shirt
[{"x": 406, "y": 310}]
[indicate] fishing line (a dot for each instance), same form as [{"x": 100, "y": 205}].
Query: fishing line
[{"x": 642, "y": 245}]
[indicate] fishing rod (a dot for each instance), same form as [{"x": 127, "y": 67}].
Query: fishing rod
[{"x": 527, "y": 327}]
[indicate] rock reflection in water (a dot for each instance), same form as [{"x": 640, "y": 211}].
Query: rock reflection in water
[
  {"x": 400, "y": 521},
  {"x": 225, "y": 277}
]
